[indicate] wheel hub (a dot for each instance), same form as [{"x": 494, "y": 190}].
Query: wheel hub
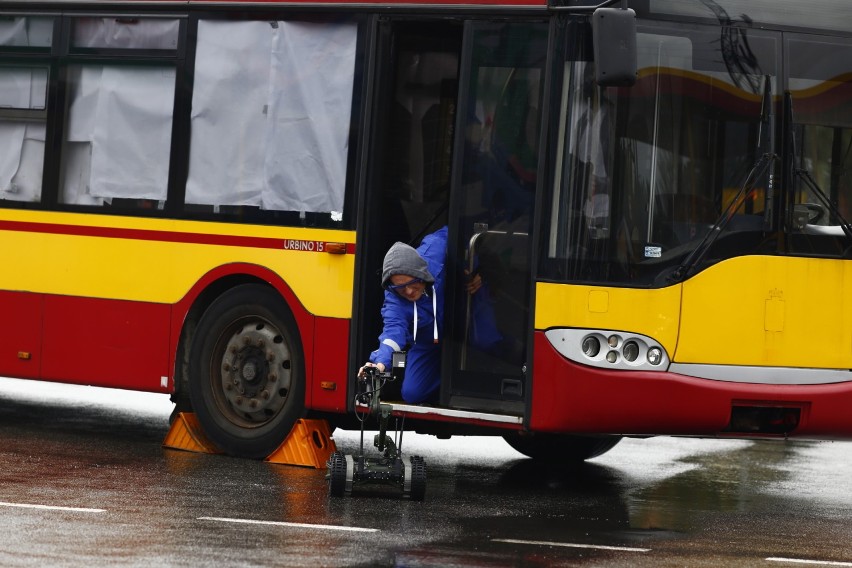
[
  {"x": 249, "y": 371},
  {"x": 256, "y": 372}
]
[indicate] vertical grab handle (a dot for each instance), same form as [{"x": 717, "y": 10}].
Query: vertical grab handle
[{"x": 480, "y": 229}]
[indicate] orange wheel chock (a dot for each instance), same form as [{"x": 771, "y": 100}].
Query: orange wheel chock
[
  {"x": 186, "y": 434},
  {"x": 308, "y": 444}
]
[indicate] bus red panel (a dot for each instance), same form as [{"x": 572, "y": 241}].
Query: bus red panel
[
  {"x": 20, "y": 334},
  {"x": 573, "y": 398},
  {"x": 328, "y": 384},
  {"x": 110, "y": 343}
]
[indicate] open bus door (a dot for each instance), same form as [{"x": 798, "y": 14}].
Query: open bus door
[
  {"x": 454, "y": 142},
  {"x": 491, "y": 216}
]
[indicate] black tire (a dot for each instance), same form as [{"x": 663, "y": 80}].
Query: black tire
[
  {"x": 418, "y": 479},
  {"x": 561, "y": 448},
  {"x": 337, "y": 474},
  {"x": 246, "y": 371},
  {"x": 182, "y": 404}
]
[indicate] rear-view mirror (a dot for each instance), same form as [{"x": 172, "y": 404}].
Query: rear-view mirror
[{"x": 614, "y": 39}]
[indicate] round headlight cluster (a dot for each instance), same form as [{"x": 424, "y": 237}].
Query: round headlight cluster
[{"x": 609, "y": 349}]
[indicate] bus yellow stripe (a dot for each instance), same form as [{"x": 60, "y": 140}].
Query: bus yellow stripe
[
  {"x": 762, "y": 311},
  {"x": 163, "y": 271}
]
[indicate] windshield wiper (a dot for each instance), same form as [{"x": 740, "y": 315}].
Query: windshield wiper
[
  {"x": 745, "y": 192},
  {"x": 765, "y": 147}
]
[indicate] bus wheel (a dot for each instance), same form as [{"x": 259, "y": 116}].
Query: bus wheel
[
  {"x": 247, "y": 382},
  {"x": 561, "y": 447}
]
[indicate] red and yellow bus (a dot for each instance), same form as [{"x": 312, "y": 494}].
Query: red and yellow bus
[{"x": 195, "y": 198}]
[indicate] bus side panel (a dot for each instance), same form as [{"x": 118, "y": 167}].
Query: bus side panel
[
  {"x": 768, "y": 311},
  {"x": 111, "y": 343},
  {"x": 331, "y": 343},
  {"x": 573, "y": 398},
  {"x": 20, "y": 334}
]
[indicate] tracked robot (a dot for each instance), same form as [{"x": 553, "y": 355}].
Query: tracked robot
[{"x": 349, "y": 472}]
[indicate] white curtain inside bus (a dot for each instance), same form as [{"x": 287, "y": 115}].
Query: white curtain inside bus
[
  {"x": 119, "y": 134},
  {"x": 22, "y": 88},
  {"x": 270, "y": 115},
  {"x": 21, "y": 167},
  {"x": 125, "y": 33},
  {"x": 29, "y": 32},
  {"x": 231, "y": 88}
]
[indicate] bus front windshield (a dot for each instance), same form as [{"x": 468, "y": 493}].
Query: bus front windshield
[{"x": 644, "y": 173}]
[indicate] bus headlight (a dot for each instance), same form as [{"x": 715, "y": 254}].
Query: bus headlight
[
  {"x": 609, "y": 349},
  {"x": 631, "y": 351},
  {"x": 655, "y": 355},
  {"x": 591, "y": 346}
]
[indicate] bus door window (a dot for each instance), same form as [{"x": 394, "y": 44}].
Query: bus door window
[
  {"x": 422, "y": 101},
  {"x": 117, "y": 137},
  {"x": 23, "y": 106},
  {"x": 498, "y": 179},
  {"x": 820, "y": 84}
]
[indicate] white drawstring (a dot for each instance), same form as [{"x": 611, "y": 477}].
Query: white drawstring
[
  {"x": 434, "y": 318},
  {"x": 435, "y": 313}
]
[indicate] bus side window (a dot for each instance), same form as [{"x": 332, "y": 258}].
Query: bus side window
[
  {"x": 116, "y": 145},
  {"x": 118, "y": 135},
  {"x": 22, "y": 131},
  {"x": 271, "y": 112},
  {"x": 23, "y": 106}
]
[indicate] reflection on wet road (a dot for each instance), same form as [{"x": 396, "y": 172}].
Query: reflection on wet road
[{"x": 85, "y": 481}]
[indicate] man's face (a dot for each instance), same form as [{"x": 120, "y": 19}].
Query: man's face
[{"x": 407, "y": 286}]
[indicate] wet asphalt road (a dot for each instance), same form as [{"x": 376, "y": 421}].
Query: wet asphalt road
[{"x": 85, "y": 481}]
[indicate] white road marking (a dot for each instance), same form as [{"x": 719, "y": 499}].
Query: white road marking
[
  {"x": 815, "y": 562},
  {"x": 571, "y": 545},
  {"x": 52, "y": 507},
  {"x": 286, "y": 524}
]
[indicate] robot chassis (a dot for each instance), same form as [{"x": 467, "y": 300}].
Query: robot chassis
[{"x": 348, "y": 472}]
